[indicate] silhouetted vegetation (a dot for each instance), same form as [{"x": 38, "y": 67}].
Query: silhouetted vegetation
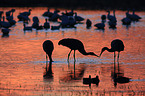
[{"x": 77, "y": 4}]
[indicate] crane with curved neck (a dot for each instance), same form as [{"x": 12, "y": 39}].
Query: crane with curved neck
[
  {"x": 116, "y": 45},
  {"x": 75, "y": 44}
]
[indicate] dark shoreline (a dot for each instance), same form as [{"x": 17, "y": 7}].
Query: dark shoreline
[{"x": 78, "y": 4}]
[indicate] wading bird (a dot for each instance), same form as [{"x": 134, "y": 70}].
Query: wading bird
[
  {"x": 116, "y": 45},
  {"x": 48, "y": 48},
  {"x": 75, "y": 44}
]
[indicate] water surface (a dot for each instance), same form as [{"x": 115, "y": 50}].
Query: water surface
[{"x": 22, "y": 59}]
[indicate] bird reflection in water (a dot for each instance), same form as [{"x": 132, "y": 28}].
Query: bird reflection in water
[
  {"x": 118, "y": 76},
  {"x": 74, "y": 75},
  {"x": 48, "y": 74}
]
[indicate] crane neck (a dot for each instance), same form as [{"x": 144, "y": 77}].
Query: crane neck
[
  {"x": 87, "y": 53},
  {"x": 105, "y": 48}
]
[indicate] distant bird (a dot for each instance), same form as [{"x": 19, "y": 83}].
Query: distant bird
[
  {"x": 46, "y": 24},
  {"x": 5, "y": 32},
  {"x": 23, "y": 18},
  {"x": 55, "y": 27},
  {"x": 12, "y": 22},
  {"x": 5, "y": 24},
  {"x": 111, "y": 17},
  {"x": 27, "y": 28},
  {"x": 47, "y": 13},
  {"x": 8, "y": 13},
  {"x": 64, "y": 20},
  {"x": 88, "y": 23},
  {"x": 26, "y": 13},
  {"x": 78, "y": 18},
  {"x": 103, "y": 17},
  {"x": 135, "y": 17},
  {"x": 126, "y": 20},
  {"x": 48, "y": 48},
  {"x": 35, "y": 24},
  {"x": 35, "y": 19},
  {"x": 55, "y": 16},
  {"x": 75, "y": 44},
  {"x": 10, "y": 17},
  {"x": 100, "y": 25},
  {"x": 116, "y": 45},
  {"x": 112, "y": 24},
  {"x": 40, "y": 27},
  {"x": 71, "y": 13},
  {"x": 71, "y": 22}
]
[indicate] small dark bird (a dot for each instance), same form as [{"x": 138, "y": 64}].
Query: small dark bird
[
  {"x": 111, "y": 17},
  {"x": 5, "y": 24},
  {"x": 55, "y": 27},
  {"x": 28, "y": 28},
  {"x": 78, "y": 18},
  {"x": 116, "y": 45},
  {"x": 48, "y": 48},
  {"x": 87, "y": 80},
  {"x": 26, "y": 13},
  {"x": 88, "y": 23},
  {"x": 95, "y": 80},
  {"x": 103, "y": 17},
  {"x": 112, "y": 24},
  {"x": 46, "y": 24},
  {"x": 47, "y": 13},
  {"x": 5, "y": 32},
  {"x": 35, "y": 19},
  {"x": 100, "y": 25},
  {"x": 126, "y": 20},
  {"x": 74, "y": 44}
]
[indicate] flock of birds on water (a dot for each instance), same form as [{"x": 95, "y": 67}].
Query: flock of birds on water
[
  {"x": 69, "y": 20},
  {"x": 66, "y": 20}
]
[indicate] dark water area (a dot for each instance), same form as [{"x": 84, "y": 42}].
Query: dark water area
[
  {"x": 77, "y": 4},
  {"x": 23, "y": 70}
]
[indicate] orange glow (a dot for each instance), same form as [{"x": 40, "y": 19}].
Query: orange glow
[{"x": 22, "y": 59}]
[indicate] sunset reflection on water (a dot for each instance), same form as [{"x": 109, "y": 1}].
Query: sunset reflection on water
[{"x": 22, "y": 59}]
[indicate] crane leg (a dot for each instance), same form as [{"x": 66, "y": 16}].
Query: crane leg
[
  {"x": 68, "y": 56},
  {"x": 118, "y": 60},
  {"x": 74, "y": 63},
  {"x": 118, "y": 57},
  {"x": 114, "y": 59},
  {"x": 74, "y": 56},
  {"x": 46, "y": 62}
]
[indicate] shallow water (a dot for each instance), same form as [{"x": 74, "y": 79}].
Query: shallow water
[{"x": 22, "y": 59}]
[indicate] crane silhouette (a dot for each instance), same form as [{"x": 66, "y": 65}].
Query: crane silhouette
[
  {"x": 116, "y": 45},
  {"x": 75, "y": 44},
  {"x": 48, "y": 48}
]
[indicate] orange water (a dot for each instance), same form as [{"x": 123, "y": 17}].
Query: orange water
[{"x": 22, "y": 59}]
